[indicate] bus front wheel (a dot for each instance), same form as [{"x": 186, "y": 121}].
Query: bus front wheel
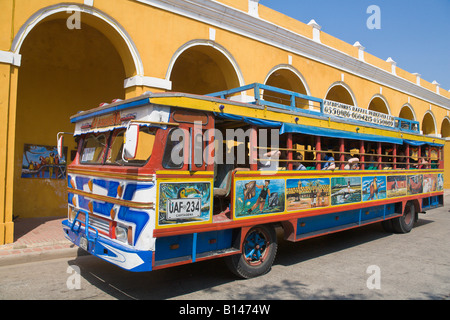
[{"x": 258, "y": 253}]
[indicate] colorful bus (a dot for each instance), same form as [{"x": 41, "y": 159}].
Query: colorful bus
[{"x": 166, "y": 179}]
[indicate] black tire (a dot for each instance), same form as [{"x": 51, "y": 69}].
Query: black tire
[
  {"x": 387, "y": 226},
  {"x": 405, "y": 223},
  {"x": 258, "y": 253}
]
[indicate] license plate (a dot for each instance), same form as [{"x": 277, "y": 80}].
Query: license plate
[
  {"x": 83, "y": 243},
  {"x": 183, "y": 208}
]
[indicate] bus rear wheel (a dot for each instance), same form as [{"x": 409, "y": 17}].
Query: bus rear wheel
[
  {"x": 258, "y": 253},
  {"x": 405, "y": 223}
]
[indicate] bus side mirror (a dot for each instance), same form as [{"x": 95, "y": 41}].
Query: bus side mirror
[
  {"x": 60, "y": 146},
  {"x": 60, "y": 143},
  {"x": 131, "y": 142}
]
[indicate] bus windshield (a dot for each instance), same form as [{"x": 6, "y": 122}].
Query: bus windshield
[{"x": 107, "y": 148}]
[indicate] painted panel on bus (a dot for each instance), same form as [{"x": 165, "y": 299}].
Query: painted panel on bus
[
  {"x": 429, "y": 182},
  {"x": 182, "y": 203},
  {"x": 440, "y": 182},
  {"x": 373, "y": 188},
  {"x": 307, "y": 193},
  {"x": 415, "y": 184},
  {"x": 396, "y": 186},
  {"x": 345, "y": 190},
  {"x": 259, "y": 197}
]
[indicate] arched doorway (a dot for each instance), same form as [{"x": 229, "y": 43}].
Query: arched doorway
[
  {"x": 407, "y": 112},
  {"x": 202, "y": 67},
  {"x": 445, "y": 128},
  {"x": 445, "y": 133},
  {"x": 288, "y": 78},
  {"x": 379, "y": 104},
  {"x": 341, "y": 92},
  {"x": 429, "y": 124},
  {"x": 63, "y": 71}
]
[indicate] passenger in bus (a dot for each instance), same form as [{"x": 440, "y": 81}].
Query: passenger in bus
[
  {"x": 352, "y": 163},
  {"x": 421, "y": 164},
  {"x": 329, "y": 165},
  {"x": 270, "y": 161},
  {"x": 401, "y": 160},
  {"x": 370, "y": 162},
  {"x": 299, "y": 165}
]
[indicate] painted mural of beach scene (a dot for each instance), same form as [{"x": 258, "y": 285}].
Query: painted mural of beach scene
[
  {"x": 345, "y": 190},
  {"x": 373, "y": 188},
  {"x": 307, "y": 193},
  {"x": 259, "y": 197}
]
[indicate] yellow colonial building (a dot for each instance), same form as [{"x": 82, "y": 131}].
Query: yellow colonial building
[{"x": 58, "y": 58}]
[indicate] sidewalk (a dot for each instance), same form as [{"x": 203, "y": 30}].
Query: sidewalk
[{"x": 37, "y": 239}]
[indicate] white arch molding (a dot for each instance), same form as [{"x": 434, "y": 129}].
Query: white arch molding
[
  {"x": 209, "y": 43},
  {"x": 446, "y": 119},
  {"x": 347, "y": 87},
  {"x": 71, "y": 8},
  {"x": 409, "y": 106},
  {"x": 377, "y": 95},
  {"x": 436, "y": 134},
  {"x": 294, "y": 71}
]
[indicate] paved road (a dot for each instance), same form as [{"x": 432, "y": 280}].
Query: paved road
[{"x": 339, "y": 266}]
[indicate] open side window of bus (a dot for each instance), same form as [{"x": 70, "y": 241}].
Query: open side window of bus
[
  {"x": 174, "y": 151},
  {"x": 131, "y": 142}
]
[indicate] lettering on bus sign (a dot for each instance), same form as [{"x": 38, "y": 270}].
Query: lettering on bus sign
[
  {"x": 342, "y": 110},
  {"x": 108, "y": 120},
  {"x": 183, "y": 208}
]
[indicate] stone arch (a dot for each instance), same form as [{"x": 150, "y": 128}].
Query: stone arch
[
  {"x": 104, "y": 23},
  {"x": 407, "y": 112},
  {"x": 379, "y": 103},
  {"x": 341, "y": 92},
  {"x": 202, "y": 67},
  {"x": 63, "y": 71},
  {"x": 286, "y": 77},
  {"x": 429, "y": 126},
  {"x": 445, "y": 128}
]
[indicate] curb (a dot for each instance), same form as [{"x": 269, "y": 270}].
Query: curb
[{"x": 43, "y": 254}]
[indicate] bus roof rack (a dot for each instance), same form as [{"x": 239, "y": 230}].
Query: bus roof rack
[{"x": 269, "y": 96}]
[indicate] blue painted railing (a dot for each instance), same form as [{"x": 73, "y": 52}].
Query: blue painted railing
[{"x": 260, "y": 90}]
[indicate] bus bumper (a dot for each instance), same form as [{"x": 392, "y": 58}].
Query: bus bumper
[{"x": 122, "y": 256}]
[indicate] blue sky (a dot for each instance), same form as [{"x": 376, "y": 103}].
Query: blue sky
[{"x": 416, "y": 34}]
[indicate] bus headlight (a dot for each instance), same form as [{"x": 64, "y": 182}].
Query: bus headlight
[
  {"x": 71, "y": 213},
  {"x": 122, "y": 234}
]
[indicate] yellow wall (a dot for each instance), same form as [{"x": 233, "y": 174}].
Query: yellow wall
[
  {"x": 64, "y": 71},
  {"x": 447, "y": 163}
]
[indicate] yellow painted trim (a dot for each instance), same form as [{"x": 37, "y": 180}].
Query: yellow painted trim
[
  {"x": 120, "y": 176},
  {"x": 187, "y": 174},
  {"x": 126, "y": 203}
]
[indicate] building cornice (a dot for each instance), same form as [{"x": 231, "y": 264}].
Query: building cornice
[
  {"x": 242, "y": 23},
  {"x": 10, "y": 58}
]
